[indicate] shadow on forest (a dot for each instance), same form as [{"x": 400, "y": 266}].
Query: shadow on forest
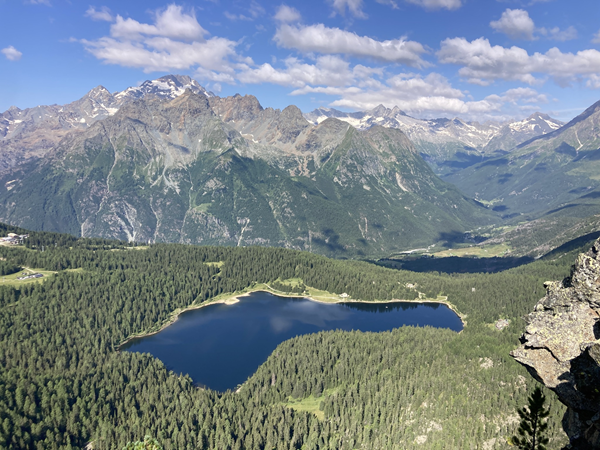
[
  {"x": 582, "y": 242},
  {"x": 451, "y": 238},
  {"x": 456, "y": 264}
]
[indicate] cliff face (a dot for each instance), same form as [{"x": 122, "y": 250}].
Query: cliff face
[{"x": 561, "y": 347}]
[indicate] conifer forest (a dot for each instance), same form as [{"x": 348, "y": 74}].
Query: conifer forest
[{"x": 64, "y": 384}]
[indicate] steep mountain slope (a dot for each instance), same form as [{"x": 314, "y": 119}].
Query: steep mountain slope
[
  {"x": 30, "y": 133},
  {"x": 174, "y": 171},
  {"x": 448, "y": 145},
  {"x": 554, "y": 172}
]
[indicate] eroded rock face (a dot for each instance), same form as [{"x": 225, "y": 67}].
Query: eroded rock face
[{"x": 561, "y": 347}]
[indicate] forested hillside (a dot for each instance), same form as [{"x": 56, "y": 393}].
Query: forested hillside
[{"x": 64, "y": 384}]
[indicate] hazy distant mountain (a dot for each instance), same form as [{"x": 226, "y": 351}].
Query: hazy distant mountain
[
  {"x": 202, "y": 169},
  {"x": 512, "y": 134},
  {"x": 552, "y": 173},
  {"x": 31, "y": 132},
  {"x": 447, "y": 144}
]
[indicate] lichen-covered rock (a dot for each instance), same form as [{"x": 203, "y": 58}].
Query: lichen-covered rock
[{"x": 561, "y": 347}]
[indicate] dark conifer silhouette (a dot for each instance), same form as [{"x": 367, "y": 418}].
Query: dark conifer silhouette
[{"x": 532, "y": 427}]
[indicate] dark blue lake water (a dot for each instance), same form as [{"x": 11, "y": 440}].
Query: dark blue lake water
[{"x": 220, "y": 345}]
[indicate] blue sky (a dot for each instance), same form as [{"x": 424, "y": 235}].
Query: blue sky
[{"x": 476, "y": 59}]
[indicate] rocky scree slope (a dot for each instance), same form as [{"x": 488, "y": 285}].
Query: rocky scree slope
[
  {"x": 561, "y": 347},
  {"x": 203, "y": 170}
]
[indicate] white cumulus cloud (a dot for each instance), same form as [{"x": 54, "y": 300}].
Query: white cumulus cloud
[
  {"x": 321, "y": 39},
  {"x": 328, "y": 70},
  {"x": 175, "y": 41},
  {"x": 596, "y": 38},
  {"x": 99, "y": 14},
  {"x": 412, "y": 93},
  {"x": 171, "y": 22},
  {"x": 523, "y": 95},
  {"x": 164, "y": 54},
  {"x": 515, "y": 23},
  {"x": 11, "y": 53},
  {"x": 287, "y": 14},
  {"x": 483, "y": 63}
]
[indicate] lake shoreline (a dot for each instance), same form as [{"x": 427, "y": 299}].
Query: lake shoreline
[
  {"x": 351, "y": 300},
  {"x": 235, "y": 298}
]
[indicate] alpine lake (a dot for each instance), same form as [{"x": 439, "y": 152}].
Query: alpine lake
[{"x": 220, "y": 345}]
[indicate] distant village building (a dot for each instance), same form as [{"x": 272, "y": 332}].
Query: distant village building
[
  {"x": 32, "y": 275},
  {"x": 14, "y": 239},
  {"x": 344, "y": 295}
]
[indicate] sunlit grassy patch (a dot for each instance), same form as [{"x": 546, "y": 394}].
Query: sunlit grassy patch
[
  {"x": 309, "y": 404},
  {"x": 487, "y": 251},
  {"x": 12, "y": 279},
  {"x": 218, "y": 264}
]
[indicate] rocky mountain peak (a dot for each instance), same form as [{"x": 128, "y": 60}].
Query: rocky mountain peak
[
  {"x": 561, "y": 346},
  {"x": 99, "y": 91},
  {"x": 536, "y": 124},
  {"x": 169, "y": 86},
  {"x": 290, "y": 124},
  {"x": 292, "y": 112},
  {"x": 236, "y": 108},
  {"x": 538, "y": 115},
  {"x": 398, "y": 112},
  {"x": 380, "y": 110},
  {"x": 96, "y": 104}
]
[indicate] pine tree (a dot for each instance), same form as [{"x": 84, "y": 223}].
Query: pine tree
[{"x": 532, "y": 427}]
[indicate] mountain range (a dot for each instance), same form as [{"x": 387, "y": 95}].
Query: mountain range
[
  {"x": 168, "y": 161},
  {"x": 195, "y": 168}
]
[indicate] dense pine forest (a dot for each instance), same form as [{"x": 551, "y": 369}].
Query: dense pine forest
[{"x": 64, "y": 384}]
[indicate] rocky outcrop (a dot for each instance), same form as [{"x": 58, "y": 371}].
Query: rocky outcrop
[{"x": 561, "y": 347}]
